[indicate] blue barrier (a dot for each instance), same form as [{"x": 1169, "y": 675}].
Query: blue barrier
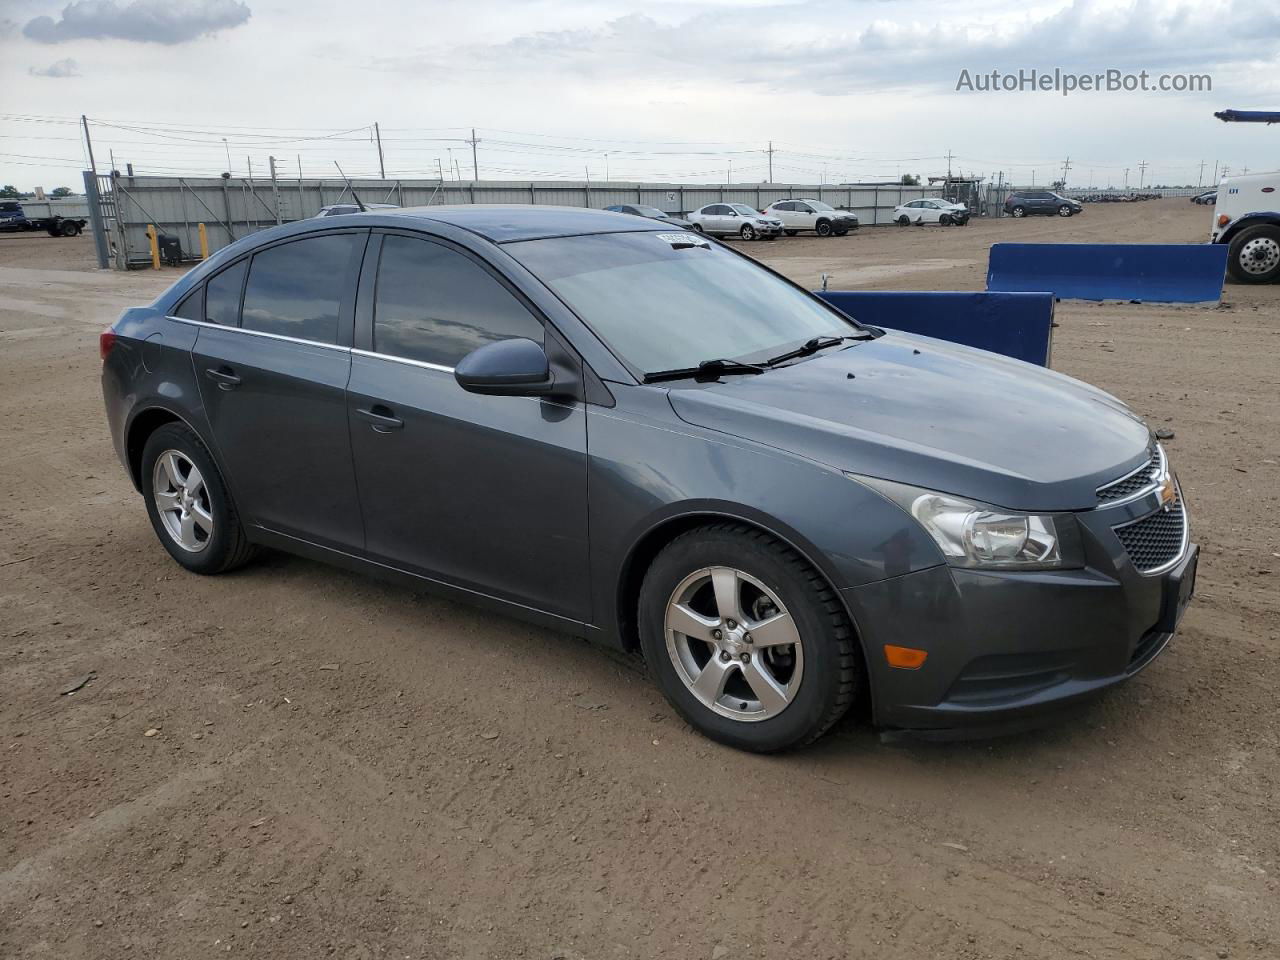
[
  {"x": 1156, "y": 272},
  {"x": 1018, "y": 325}
]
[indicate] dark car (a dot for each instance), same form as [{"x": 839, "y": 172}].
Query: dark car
[
  {"x": 653, "y": 213},
  {"x": 637, "y": 435},
  {"x": 1024, "y": 203}
]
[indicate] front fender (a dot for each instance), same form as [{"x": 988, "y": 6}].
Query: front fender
[{"x": 1248, "y": 220}]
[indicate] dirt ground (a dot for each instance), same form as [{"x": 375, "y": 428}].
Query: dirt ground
[{"x": 343, "y": 768}]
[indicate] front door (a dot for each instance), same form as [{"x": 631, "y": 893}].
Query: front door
[
  {"x": 273, "y": 378},
  {"x": 485, "y": 493}
]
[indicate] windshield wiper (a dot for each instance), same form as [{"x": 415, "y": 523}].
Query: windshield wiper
[
  {"x": 706, "y": 370},
  {"x": 812, "y": 346}
]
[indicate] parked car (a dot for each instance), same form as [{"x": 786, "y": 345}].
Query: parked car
[
  {"x": 730, "y": 219},
  {"x": 1209, "y": 197},
  {"x": 1024, "y": 203},
  {"x": 931, "y": 210},
  {"x": 339, "y": 209},
  {"x": 1246, "y": 217},
  {"x": 633, "y": 434},
  {"x": 806, "y": 214},
  {"x": 653, "y": 213}
]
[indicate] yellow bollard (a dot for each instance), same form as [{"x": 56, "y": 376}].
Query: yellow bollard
[
  {"x": 154, "y": 239},
  {"x": 204, "y": 243}
]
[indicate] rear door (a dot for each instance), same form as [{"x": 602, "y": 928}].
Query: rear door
[
  {"x": 273, "y": 375},
  {"x": 485, "y": 493}
]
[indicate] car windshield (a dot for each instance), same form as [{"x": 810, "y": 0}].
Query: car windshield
[
  {"x": 663, "y": 306},
  {"x": 746, "y": 211},
  {"x": 649, "y": 211},
  {"x": 819, "y": 205}
]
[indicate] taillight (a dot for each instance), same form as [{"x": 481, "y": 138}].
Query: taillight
[{"x": 106, "y": 340}]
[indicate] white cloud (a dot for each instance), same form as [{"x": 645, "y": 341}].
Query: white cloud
[
  {"x": 143, "y": 21},
  {"x": 60, "y": 69}
]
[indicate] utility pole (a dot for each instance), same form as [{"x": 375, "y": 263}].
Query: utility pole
[
  {"x": 1142, "y": 173},
  {"x": 377, "y": 133},
  {"x": 1126, "y": 178},
  {"x": 1200, "y": 179},
  {"x": 950, "y": 155},
  {"x": 227, "y": 147},
  {"x": 1215, "y": 171},
  {"x": 275, "y": 189},
  {"x": 770, "y": 152},
  {"x": 1066, "y": 165},
  {"x": 475, "y": 164},
  {"x": 730, "y": 177},
  {"x": 89, "y": 143},
  {"x": 449, "y": 150},
  {"x": 439, "y": 170},
  {"x": 606, "y": 166}
]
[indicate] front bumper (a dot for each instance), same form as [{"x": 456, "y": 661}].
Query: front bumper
[
  {"x": 845, "y": 223},
  {"x": 768, "y": 229},
  {"x": 1009, "y": 651}
]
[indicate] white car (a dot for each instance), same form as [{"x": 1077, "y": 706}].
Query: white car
[
  {"x": 931, "y": 210},
  {"x": 735, "y": 219},
  {"x": 1246, "y": 217},
  {"x": 804, "y": 213},
  {"x": 339, "y": 209}
]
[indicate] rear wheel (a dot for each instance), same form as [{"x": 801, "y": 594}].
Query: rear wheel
[
  {"x": 1254, "y": 255},
  {"x": 697, "y": 228},
  {"x": 746, "y": 640},
  {"x": 747, "y": 232},
  {"x": 189, "y": 505},
  {"x": 904, "y": 221},
  {"x": 70, "y": 229},
  {"x": 1019, "y": 211},
  {"x": 792, "y": 233}
]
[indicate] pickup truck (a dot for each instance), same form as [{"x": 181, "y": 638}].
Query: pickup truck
[{"x": 14, "y": 219}]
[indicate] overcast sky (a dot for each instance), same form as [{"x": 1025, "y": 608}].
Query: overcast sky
[{"x": 845, "y": 89}]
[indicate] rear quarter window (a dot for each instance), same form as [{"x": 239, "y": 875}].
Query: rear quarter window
[{"x": 222, "y": 295}]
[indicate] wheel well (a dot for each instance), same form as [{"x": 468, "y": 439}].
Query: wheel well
[
  {"x": 143, "y": 425},
  {"x": 1247, "y": 221}
]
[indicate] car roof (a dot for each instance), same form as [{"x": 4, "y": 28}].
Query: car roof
[{"x": 510, "y": 223}]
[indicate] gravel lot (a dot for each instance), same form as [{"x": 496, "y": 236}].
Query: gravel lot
[{"x": 292, "y": 761}]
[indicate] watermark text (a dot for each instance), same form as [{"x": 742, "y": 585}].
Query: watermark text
[{"x": 1060, "y": 81}]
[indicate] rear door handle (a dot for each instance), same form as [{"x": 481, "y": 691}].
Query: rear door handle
[
  {"x": 381, "y": 418},
  {"x": 223, "y": 377}
]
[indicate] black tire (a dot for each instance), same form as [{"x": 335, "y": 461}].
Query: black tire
[
  {"x": 792, "y": 233},
  {"x": 1254, "y": 255},
  {"x": 772, "y": 236},
  {"x": 747, "y": 232},
  {"x": 823, "y": 228},
  {"x": 1064, "y": 211},
  {"x": 70, "y": 229},
  {"x": 841, "y": 231},
  {"x": 831, "y": 664},
  {"x": 697, "y": 228},
  {"x": 227, "y": 547},
  {"x": 1019, "y": 211},
  {"x": 944, "y": 220},
  {"x": 904, "y": 221}
]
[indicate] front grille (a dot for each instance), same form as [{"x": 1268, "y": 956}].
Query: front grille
[
  {"x": 1157, "y": 539},
  {"x": 1147, "y": 475}
]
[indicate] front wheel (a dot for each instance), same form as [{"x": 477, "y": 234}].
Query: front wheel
[
  {"x": 823, "y": 228},
  {"x": 1254, "y": 256},
  {"x": 944, "y": 220},
  {"x": 1064, "y": 211},
  {"x": 792, "y": 233},
  {"x": 746, "y": 640},
  {"x": 747, "y": 232},
  {"x": 697, "y": 228},
  {"x": 189, "y": 505}
]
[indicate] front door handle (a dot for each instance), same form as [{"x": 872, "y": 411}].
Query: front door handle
[
  {"x": 223, "y": 377},
  {"x": 381, "y": 418}
]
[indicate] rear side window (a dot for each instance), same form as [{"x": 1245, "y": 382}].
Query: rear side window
[
  {"x": 192, "y": 305},
  {"x": 222, "y": 296},
  {"x": 435, "y": 305},
  {"x": 295, "y": 289}
]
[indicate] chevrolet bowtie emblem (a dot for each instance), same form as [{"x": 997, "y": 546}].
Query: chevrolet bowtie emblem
[{"x": 1168, "y": 492}]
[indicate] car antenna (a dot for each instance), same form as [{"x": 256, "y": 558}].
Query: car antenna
[{"x": 350, "y": 187}]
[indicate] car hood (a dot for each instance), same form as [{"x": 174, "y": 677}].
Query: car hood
[{"x": 936, "y": 415}]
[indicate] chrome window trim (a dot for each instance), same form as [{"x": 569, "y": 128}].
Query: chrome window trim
[
  {"x": 413, "y": 363},
  {"x": 1138, "y": 495},
  {"x": 260, "y": 333}
]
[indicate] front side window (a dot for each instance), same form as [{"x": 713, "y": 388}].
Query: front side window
[
  {"x": 222, "y": 296},
  {"x": 437, "y": 305},
  {"x": 818, "y": 205},
  {"x": 661, "y": 307},
  {"x": 744, "y": 210},
  {"x": 295, "y": 289}
]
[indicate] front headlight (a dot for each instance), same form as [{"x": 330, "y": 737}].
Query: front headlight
[{"x": 972, "y": 534}]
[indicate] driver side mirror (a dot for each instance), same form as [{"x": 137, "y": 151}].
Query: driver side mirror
[{"x": 506, "y": 368}]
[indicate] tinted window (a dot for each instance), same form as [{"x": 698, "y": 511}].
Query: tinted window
[
  {"x": 785, "y": 205},
  {"x": 295, "y": 289},
  {"x": 222, "y": 297},
  {"x": 10, "y": 208},
  {"x": 436, "y": 305},
  {"x": 192, "y": 305}
]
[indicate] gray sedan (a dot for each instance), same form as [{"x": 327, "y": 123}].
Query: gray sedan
[{"x": 600, "y": 424}]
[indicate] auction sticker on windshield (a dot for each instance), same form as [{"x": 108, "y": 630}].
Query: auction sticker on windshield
[{"x": 684, "y": 239}]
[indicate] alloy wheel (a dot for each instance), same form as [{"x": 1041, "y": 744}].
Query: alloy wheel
[
  {"x": 734, "y": 644},
  {"x": 182, "y": 501},
  {"x": 748, "y": 232}
]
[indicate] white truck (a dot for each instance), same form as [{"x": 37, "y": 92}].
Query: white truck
[{"x": 1247, "y": 218}]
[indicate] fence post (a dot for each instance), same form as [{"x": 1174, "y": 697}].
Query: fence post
[
  {"x": 204, "y": 242},
  {"x": 154, "y": 240},
  {"x": 95, "y": 218}
]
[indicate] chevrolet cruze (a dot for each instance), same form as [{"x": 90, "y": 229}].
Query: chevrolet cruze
[{"x": 638, "y": 435}]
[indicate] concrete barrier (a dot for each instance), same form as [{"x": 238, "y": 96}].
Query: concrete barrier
[
  {"x": 1018, "y": 325},
  {"x": 1155, "y": 272}
]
